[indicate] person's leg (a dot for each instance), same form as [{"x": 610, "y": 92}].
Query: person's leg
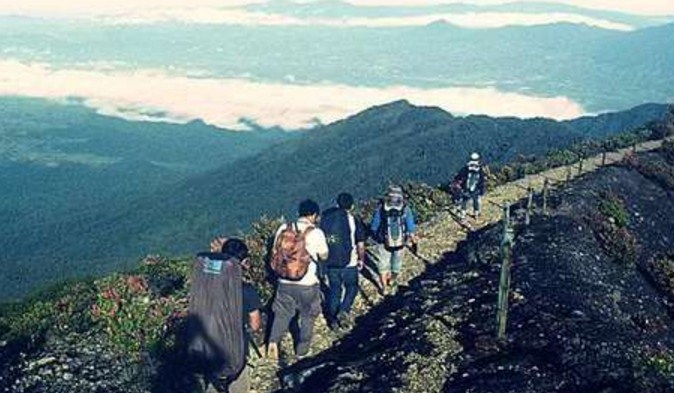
[
  {"x": 476, "y": 204},
  {"x": 242, "y": 383},
  {"x": 350, "y": 277},
  {"x": 464, "y": 205},
  {"x": 334, "y": 293},
  {"x": 396, "y": 268},
  {"x": 310, "y": 308},
  {"x": 284, "y": 308},
  {"x": 384, "y": 267}
]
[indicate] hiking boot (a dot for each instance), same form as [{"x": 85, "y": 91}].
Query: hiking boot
[
  {"x": 272, "y": 351},
  {"x": 344, "y": 320},
  {"x": 394, "y": 287},
  {"x": 462, "y": 217},
  {"x": 303, "y": 350},
  {"x": 333, "y": 324}
]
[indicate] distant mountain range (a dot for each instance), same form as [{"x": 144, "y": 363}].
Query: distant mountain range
[
  {"x": 177, "y": 212},
  {"x": 600, "y": 69},
  {"x": 342, "y": 9}
]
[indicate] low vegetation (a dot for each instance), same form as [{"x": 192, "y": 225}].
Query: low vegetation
[{"x": 610, "y": 225}]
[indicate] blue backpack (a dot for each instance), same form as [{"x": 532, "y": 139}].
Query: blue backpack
[{"x": 335, "y": 225}]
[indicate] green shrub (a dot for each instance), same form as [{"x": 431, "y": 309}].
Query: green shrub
[
  {"x": 425, "y": 200},
  {"x": 613, "y": 208},
  {"x": 609, "y": 224},
  {"x": 259, "y": 241},
  {"x": 133, "y": 318},
  {"x": 60, "y": 307},
  {"x": 662, "y": 360},
  {"x": 660, "y": 269},
  {"x": 668, "y": 151}
]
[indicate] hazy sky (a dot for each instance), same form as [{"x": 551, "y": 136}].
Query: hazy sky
[{"x": 69, "y": 7}]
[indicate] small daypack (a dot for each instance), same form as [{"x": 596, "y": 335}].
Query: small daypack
[
  {"x": 290, "y": 259},
  {"x": 335, "y": 225},
  {"x": 393, "y": 222},
  {"x": 215, "y": 338}
]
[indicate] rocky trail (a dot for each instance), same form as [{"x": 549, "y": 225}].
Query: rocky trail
[{"x": 405, "y": 335}]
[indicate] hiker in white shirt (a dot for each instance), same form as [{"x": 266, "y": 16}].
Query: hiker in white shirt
[{"x": 298, "y": 290}]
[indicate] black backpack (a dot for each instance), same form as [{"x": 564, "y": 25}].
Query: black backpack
[
  {"x": 335, "y": 225},
  {"x": 215, "y": 340}
]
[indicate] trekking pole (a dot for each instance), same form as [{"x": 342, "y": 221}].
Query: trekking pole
[
  {"x": 504, "y": 282},
  {"x": 253, "y": 344}
]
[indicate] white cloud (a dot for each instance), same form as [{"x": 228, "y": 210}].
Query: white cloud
[
  {"x": 639, "y": 7},
  {"x": 103, "y": 7},
  {"x": 223, "y": 102},
  {"x": 469, "y": 20}
]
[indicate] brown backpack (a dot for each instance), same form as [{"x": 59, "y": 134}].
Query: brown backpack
[{"x": 290, "y": 259}]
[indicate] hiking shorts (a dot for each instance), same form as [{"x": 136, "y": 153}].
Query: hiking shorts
[{"x": 389, "y": 261}]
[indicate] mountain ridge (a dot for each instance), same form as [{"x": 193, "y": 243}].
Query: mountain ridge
[{"x": 425, "y": 144}]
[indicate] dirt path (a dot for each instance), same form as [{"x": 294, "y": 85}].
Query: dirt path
[{"x": 439, "y": 236}]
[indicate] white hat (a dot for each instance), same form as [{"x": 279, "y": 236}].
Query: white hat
[{"x": 474, "y": 157}]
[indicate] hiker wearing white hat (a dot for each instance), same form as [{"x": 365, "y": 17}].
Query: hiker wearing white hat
[{"x": 471, "y": 179}]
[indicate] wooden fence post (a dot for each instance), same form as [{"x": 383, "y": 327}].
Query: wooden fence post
[
  {"x": 530, "y": 205},
  {"x": 580, "y": 166},
  {"x": 546, "y": 191},
  {"x": 603, "y": 158},
  {"x": 506, "y": 218},
  {"x": 504, "y": 283},
  {"x": 568, "y": 173}
]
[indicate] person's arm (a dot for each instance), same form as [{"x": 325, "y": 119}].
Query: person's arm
[
  {"x": 321, "y": 244},
  {"x": 360, "y": 237},
  {"x": 376, "y": 221},
  {"x": 360, "y": 249},
  {"x": 251, "y": 306},
  {"x": 254, "y": 321},
  {"x": 482, "y": 183},
  {"x": 410, "y": 225}
]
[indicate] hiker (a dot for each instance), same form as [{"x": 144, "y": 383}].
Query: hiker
[
  {"x": 393, "y": 227},
  {"x": 223, "y": 312},
  {"x": 346, "y": 237},
  {"x": 471, "y": 180},
  {"x": 298, "y": 249}
]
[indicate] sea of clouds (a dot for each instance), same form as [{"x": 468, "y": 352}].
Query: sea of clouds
[{"x": 157, "y": 95}]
